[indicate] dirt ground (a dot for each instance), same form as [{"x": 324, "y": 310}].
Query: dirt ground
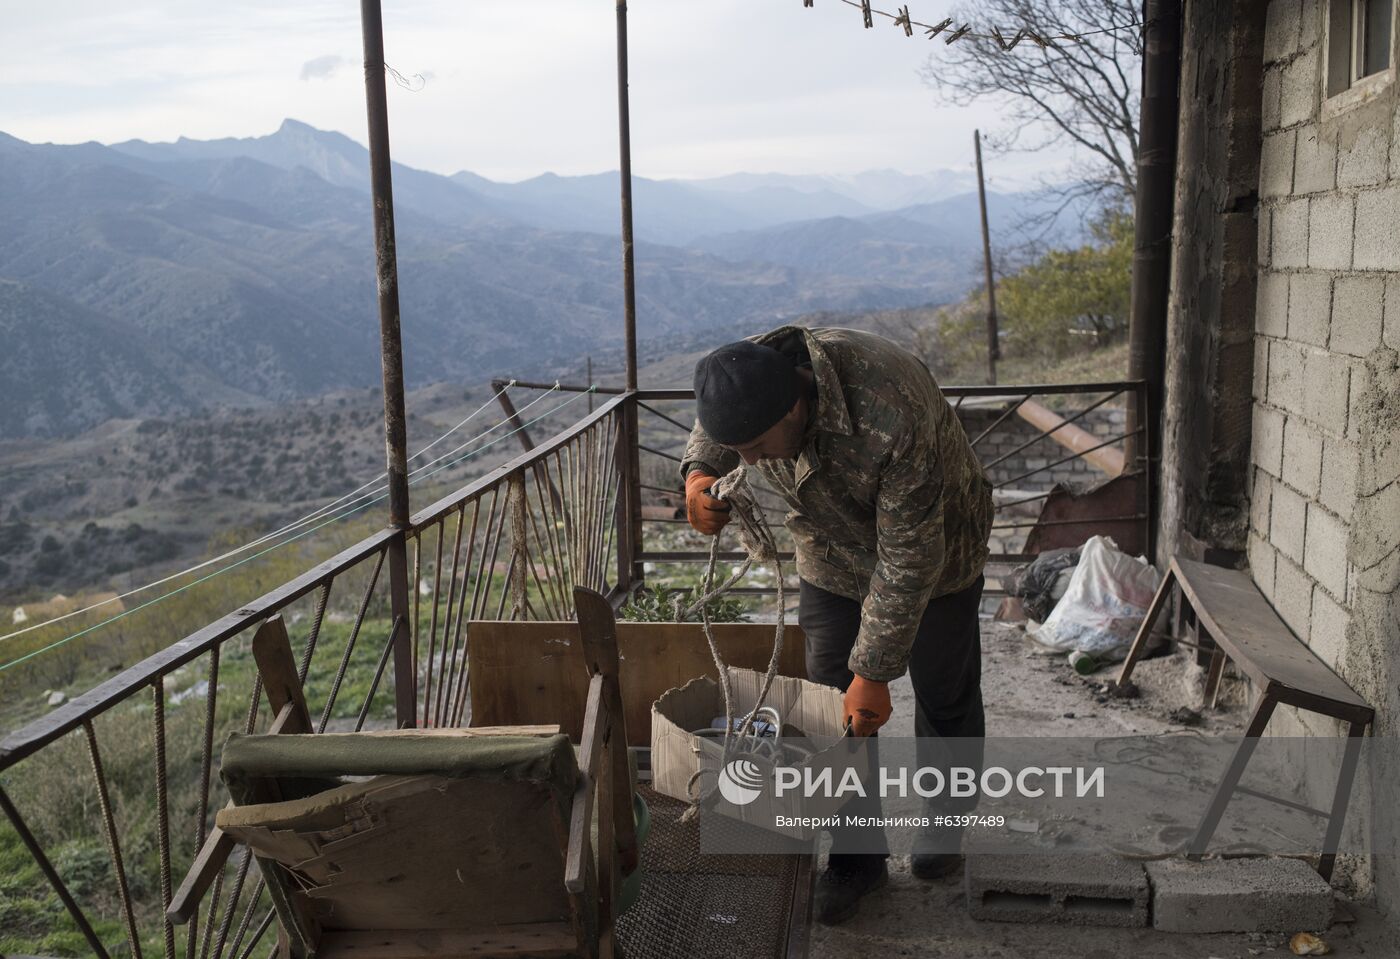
[{"x": 1030, "y": 694}]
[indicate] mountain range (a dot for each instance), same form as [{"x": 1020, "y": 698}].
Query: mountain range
[{"x": 144, "y": 279}]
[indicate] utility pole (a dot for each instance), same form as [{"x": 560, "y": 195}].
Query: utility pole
[
  {"x": 993, "y": 345},
  {"x": 391, "y": 359}
]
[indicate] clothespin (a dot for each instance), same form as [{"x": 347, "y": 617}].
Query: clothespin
[
  {"x": 806, "y": 3},
  {"x": 865, "y": 12},
  {"x": 1072, "y": 37},
  {"x": 903, "y": 21},
  {"x": 1003, "y": 42},
  {"x": 938, "y": 28},
  {"x": 959, "y": 33},
  {"x": 1037, "y": 39}
]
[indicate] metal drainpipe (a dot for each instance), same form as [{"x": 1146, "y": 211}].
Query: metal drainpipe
[
  {"x": 391, "y": 354},
  {"x": 1156, "y": 172}
]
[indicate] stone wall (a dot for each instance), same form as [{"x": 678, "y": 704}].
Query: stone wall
[{"x": 1324, "y": 529}]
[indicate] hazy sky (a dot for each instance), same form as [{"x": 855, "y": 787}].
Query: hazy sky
[{"x": 512, "y": 89}]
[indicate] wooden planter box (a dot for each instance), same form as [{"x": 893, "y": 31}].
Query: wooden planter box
[{"x": 533, "y": 672}]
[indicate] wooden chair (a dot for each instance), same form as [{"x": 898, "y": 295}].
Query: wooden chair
[
  {"x": 1232, "y": 615},
  {"x": 443, "y": 843}
]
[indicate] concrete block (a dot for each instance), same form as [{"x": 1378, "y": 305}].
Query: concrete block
[
  {"x": 1330, "y": 232},
  {"x": 1288, "y": 522},
  {"x": 1285, "y": 382},
  {"x": 1276, "y": 164},
  {"x": 1271, "y": 304},
  {"x": 1281, "y": 29},
  {"x": 1261, "y": 564},
  {"x": 1309, "y": 307},
  {"x": 1271, "y": 98},
  {"x": 1268, "y": 440},
  {"x": 1265, "y": 236},
  {"x": 1330, "y": 620},
  {"x": 1328, "y": 377},
  {"x": 1238, "y": 895},
  {"x": 1299, "y": 90},
  {"x": 1378, "y": 229},
  {"x": 1260, "y": 500},
  {"x": 1293, "y": 591},
  {"x": 1315, "y": 160},
  {"x": 1357, "y": 314},
  {"x": 1337, "y": 489},
  {"x": 1259, "y": 386},
  {"x": 1325, "y": 551},
  {"x": 1391, "y": 332},
  {"x": 1087, "y": 890},
  {"x": 1310, "y": 23},
  {"x": 1289, "y": 234},
  {"x": 1364, "y": 157},
  {"x": 1302, "y": 457}
]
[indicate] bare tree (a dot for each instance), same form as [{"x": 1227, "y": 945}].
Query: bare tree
[{"x": 1082, "y": 93}]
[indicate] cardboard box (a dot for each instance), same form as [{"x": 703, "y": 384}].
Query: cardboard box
[{"x": 677, "y": 754}]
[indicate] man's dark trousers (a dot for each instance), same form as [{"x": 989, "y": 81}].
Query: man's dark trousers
[{"x": 945, "y": 667}]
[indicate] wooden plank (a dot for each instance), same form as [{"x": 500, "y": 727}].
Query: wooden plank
[
  {"x": 1242, "y": 622},
  {"x": 532, "y": 939},
  {"x": 581, "y": 816},
  {"x": 210, "y": 861},
  {"x": 531, "y": 672},
  {"x": 272, "y": 651},
  {"x": 598, "y": 633}
]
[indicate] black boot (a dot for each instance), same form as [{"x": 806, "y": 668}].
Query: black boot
[
  {"x": 935, "y": 858},
  {"x": 847, "y": 878}
]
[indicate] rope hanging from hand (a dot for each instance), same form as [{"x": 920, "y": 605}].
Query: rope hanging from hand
[{"x": 757, "y": 541}]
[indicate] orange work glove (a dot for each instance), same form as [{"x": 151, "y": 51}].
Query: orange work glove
[
  {"x": 867, "y": 705},
  {"x": 706, "y": 513}
]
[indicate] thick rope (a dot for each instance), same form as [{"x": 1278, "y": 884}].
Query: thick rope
[{"x": 757, "y": 540}]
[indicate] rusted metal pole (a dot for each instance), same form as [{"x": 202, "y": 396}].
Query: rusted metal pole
[
  {"x": 629, "y": 540},
  {"x": 512, "y": 416},
  {"x": 390, "y": 351},
  {"x": 1156, "y": 172},
  {"x": 993, "y": 344},
  {"x": 624, "y": 132}
]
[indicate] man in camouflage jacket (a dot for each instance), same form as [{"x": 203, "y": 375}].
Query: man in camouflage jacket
[{"x": 890, "y": 513}]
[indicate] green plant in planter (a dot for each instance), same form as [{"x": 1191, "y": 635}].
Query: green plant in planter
[{"x": 653, "y": 606}]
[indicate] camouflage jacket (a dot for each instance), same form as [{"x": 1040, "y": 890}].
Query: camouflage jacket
[{"x": 889, "y": 505}]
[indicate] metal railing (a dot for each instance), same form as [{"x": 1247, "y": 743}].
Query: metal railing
[
  {"x": 596, "y": 505},
  {"x": 1024, "y": 463},
  {"x": 511, "y": 544}
]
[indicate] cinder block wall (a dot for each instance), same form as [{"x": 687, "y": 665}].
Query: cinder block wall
[{"x": 1324, "y": 539}]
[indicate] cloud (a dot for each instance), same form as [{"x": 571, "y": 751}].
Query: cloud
[{"x": 322, "y": 68}]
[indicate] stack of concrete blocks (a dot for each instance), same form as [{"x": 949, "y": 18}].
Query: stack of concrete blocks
[{"x": 1219, "y": 895}]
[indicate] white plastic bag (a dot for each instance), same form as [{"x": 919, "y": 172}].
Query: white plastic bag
[{"x": 1105, "y": 603}]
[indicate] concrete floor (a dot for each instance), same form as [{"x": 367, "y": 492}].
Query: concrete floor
[{"x": 1029, "y": 694}]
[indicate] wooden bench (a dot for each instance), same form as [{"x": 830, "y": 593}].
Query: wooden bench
[{"x": 1231, "y": 613}]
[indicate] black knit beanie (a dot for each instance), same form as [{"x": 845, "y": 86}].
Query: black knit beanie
[{"x": 742, "y": 390}]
